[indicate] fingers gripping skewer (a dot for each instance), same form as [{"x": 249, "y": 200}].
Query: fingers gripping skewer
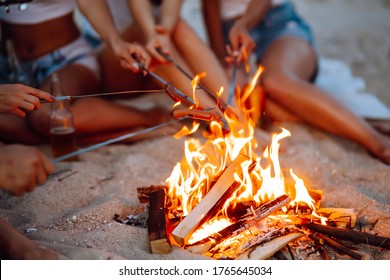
[{"x": 220, "y": 103}]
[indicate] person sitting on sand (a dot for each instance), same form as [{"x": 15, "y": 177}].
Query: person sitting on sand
[
  {"x": 284, "y": 45},
  {"x": 157, "y": 26},
  {"x": 46, "y": 39},
  {"x": 21, "y": 169}
]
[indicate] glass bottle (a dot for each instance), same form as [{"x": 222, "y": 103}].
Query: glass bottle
[
  {"x": 16, "y": 73},
  {"x": 62, "y": 131}
]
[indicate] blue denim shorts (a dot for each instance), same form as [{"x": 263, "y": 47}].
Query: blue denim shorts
[
  {"x": 282, "y": 20},
  {"x": 37, "y": 70}
]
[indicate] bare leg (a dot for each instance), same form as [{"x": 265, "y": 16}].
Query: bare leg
[
  {"x": 191, "y": 54},
  {"x": 200, "y": 58},
  {"x": 114, "y": 77},
  {"x": 16, "y": 129},
  {"x": 95, "y": 118},
  {"x": 16, "y": 246},
  {"x": 289, "y": 62}
]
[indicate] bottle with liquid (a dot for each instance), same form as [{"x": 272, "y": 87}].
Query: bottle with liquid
[
  {"x": 62, "y": 131},
  {"x": 16, "y": 73}
]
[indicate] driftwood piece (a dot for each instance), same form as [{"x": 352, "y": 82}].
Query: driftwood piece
[
  {"x": 336, "y": 245},
  {"x": 159, "y": 242},
  {"x": 193, "y": 220},
  {"x": 245, "y": 222},
  {"x": 268, "y": 249},
  {"x": 351, "y": 235}
]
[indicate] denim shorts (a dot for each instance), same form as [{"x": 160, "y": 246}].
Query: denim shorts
[
  {"x": 36, "y": 71},
  {"x": 280, "y": 21}
]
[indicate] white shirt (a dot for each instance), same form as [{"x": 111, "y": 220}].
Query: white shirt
[{"x": 38, "y": 11}]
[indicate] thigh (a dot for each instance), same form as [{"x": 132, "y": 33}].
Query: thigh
[
  {"x": 15, "y": 129},
  {"x": 290, "y": 55},
  {"x": 76, "y": 79},
  {"x": 113, "y": 76}
]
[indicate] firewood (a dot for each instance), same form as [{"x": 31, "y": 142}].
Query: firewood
[
  {"x": 351, "y": 235},
  {"x": 241, "y": 224},
  {"x": 320, "y": 243},
  {"x": 339, "y": 217},
  {"x": 339, "y": 247},
  {"x": 193, "y": 220},
  {"x": 236, "y": 245},
  {"x": 158, "y": 240},
  {"x": 144, "y": 192},
  {"x": 268, "y": 249}
]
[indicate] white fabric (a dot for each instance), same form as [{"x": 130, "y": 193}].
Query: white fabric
[
  {"x": 336, "y": 77},
  {"x": 38, "y": 11},
  {"x": 234, "y": 8}
]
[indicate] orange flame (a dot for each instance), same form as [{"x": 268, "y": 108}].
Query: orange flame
[
  {"x": 203, "y": 163},
  {"x": 194, "y": 84}
]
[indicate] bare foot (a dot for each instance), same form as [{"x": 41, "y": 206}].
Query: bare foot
[
  {"x": 381, "y": 126},
  {"x": 383, "y": 151}
]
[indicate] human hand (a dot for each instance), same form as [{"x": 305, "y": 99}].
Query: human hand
[
  {"x": 160, "y": 41},
  {"x": 241, "y": 41},
  {"x": 130, "y": 54},
  {"x": 22, "y": 168},
  {"x": 17, "y": 99}
]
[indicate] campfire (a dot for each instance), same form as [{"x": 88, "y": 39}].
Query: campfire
[{"x": 227, "y": 199}]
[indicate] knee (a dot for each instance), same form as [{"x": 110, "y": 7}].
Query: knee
[{"x": 274, "y": 81}]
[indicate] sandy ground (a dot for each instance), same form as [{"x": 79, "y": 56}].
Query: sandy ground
[{"x": 73, "y": 212}]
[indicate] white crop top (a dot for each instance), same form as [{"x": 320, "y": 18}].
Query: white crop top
[
  {"x": 231, "y": 9},
  {"x": 38, "y": 11}
]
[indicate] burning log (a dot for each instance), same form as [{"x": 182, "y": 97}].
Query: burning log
[
  {"x": 233, "y": 247},
  {"x": 193, "y": 220},
  {"x": 267, "y": 250},
  {"x": 320, "y": 238},
  {"x": 242, "y": 224},
  {"x": 351, "y": 235},
  {"x": 159, "y": 242}
]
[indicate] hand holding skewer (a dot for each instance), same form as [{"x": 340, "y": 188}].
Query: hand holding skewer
[{"x": 219, "y": 101}]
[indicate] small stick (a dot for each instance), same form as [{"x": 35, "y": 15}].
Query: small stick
[
  {"x": 351, "y": 235},
  {"x": 339, "y": 247}
]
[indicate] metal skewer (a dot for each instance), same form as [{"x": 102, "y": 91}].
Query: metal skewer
[
  {"x": 221, "y": 104},
  {"x": 117, "y": 139},
  {"x": 70, "y": 97},
  {"x": 232, "y": 86}
]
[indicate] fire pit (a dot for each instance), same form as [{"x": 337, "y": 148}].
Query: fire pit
[{"x": 226, "y": 201}]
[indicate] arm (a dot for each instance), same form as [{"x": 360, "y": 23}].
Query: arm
[
  {"x": 22, "y": 167},
  {"x": 170, "y": 14},
  {"x": 212, "y": 17},
  {"x": 157, "y": 34},
  {"x": 239, "y": 36},
  {"x": 16, "y": 99},
  {"x": 99, "y": 15}
]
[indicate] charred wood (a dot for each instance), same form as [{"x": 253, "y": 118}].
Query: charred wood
[
  {"x": 158, "y": 240},
  {"x": 351, "y": 235}
]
